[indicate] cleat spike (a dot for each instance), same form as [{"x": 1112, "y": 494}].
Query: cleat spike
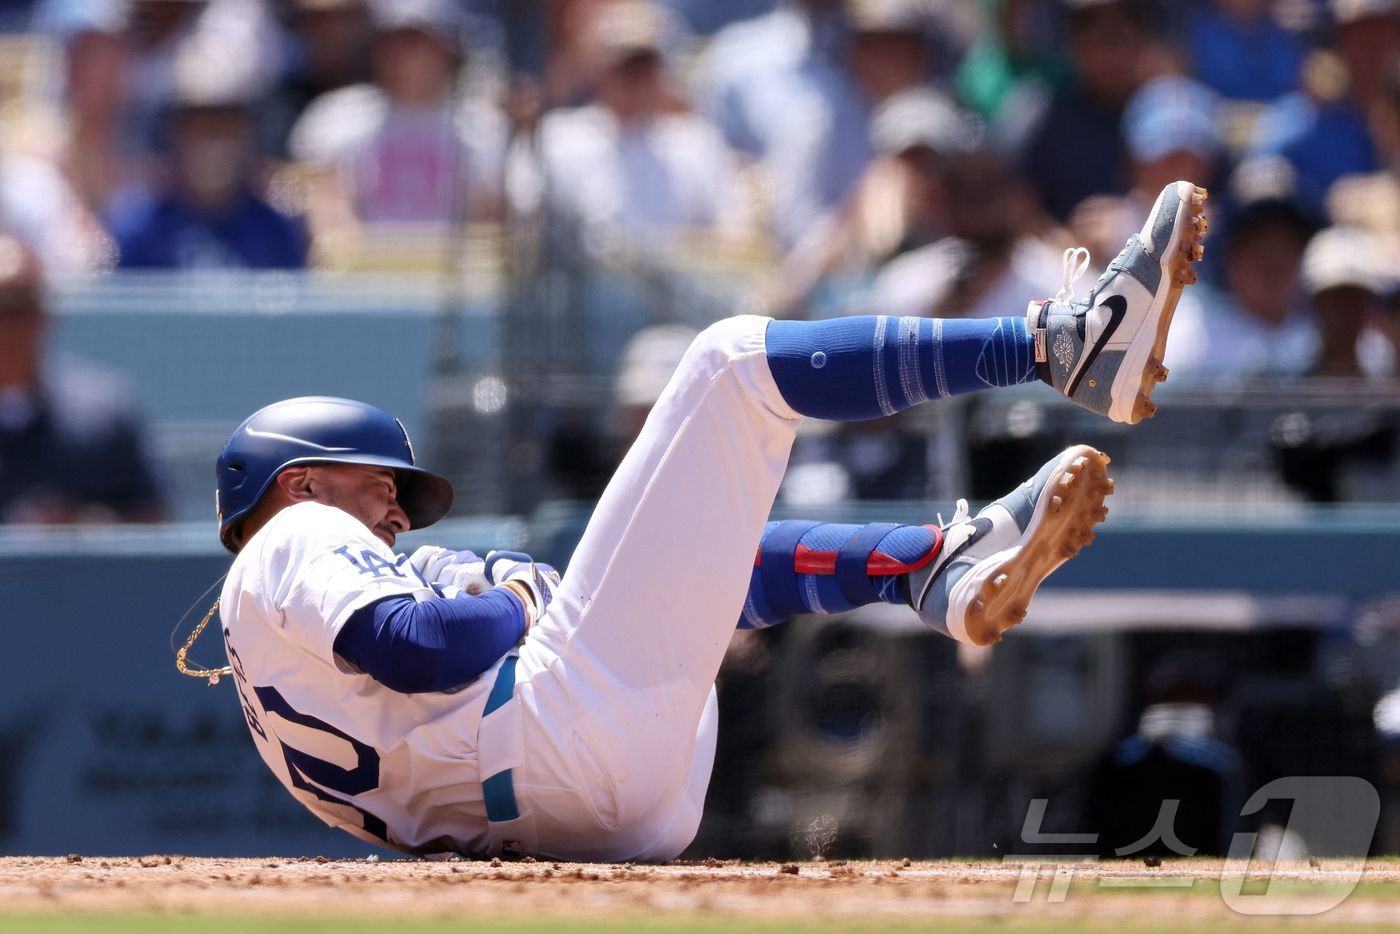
[
  {"x": 1056, "y": 504},
  {"x": 1143, "y": 408}
]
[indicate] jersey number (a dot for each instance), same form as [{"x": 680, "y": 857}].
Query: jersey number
[{"x": 316, "y": 775}]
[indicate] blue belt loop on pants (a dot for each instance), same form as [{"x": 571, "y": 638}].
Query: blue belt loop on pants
[{"x": 499, "y": 790}]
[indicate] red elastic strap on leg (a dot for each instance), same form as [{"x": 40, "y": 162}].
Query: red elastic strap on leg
[{"x": 882, "y": 564}]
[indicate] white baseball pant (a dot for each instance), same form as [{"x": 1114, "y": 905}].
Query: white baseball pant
[{"x": 610, "y": 735}]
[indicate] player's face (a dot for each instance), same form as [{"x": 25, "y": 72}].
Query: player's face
[{"x": 370, "y": 494}]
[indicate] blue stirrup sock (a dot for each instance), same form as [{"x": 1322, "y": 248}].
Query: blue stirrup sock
[
  {"x": 849, "y": 369},
  {"x": 822, "y": 567}
]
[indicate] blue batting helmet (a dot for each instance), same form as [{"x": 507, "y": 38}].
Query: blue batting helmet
[{"x": 318, "y": 430}]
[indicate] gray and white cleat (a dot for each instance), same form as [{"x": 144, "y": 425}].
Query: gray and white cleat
[
  {"x": 990, "y": 565},
  {"x": 1105, "y": 353}
]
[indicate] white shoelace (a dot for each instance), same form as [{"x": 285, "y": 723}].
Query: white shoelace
[
  {"x": 960, "y": 512},
  {"x": 1076, "y": 263}
]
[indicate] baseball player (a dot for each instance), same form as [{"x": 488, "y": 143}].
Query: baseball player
[{"x": 445, "y": 702}]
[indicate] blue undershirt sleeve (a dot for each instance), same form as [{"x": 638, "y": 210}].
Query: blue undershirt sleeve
[{"x": 437, "y": 645}]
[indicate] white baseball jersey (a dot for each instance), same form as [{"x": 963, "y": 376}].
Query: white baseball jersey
[
  {"x": 602, "y": 746},
  {"x": 391, "y": 768}
]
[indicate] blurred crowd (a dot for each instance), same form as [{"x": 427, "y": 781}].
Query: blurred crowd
[
  {"x": 906, "y": 156},
  {"x": 922, "y": 157}
]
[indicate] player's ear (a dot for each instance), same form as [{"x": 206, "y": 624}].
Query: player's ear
[{"x": 296, "y": 482}]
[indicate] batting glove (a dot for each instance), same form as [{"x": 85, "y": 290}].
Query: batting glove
[
  {"x": 464, "y": 570},
  {"x": 520, "y": 572}
]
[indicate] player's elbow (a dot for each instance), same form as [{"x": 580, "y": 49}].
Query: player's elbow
[
  {"x": 731, "y": 337},
  {"x": 417, "y": 670},
  {"x": 403, "y": 645}
]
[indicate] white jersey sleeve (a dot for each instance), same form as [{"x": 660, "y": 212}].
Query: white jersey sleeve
[{"x": 316, "y": 566}]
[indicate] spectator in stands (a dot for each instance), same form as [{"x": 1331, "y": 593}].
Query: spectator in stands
[
  {"x": 1258, "y": 324},
  {"x": 895, "y": 206},
  {"x": 990, "y": 263},
  {"x": 707, "y": 16},
  {"x": 411, "y": 147},
  {"x": 87, "y": 133},
  {"x": 1075, "y": 147},
  {"x": 1239, "y": 50},
  {"x": 892, "y": 46},
  {"x": 332, "y": 41},
  {"x": 37, "y": 204},
  {"x": 627, "y": 164},
  {"x": 208, "y": 214},
  {"x": 60, "y": 160},
  {"x": 1372, "y": 201},
  {"x": 1015, "y": 57},
  {"x": 796, "y": 89},
  {"x": 1176, "y": 755},
  {"x": 1343, "y": 275},
  {"x": 160, "y": 32},
  {"x": 1322, "y": 130},
  {"x": 70, "y": 444},
  {"x": 792, "y": 56},
  {"x": 1171, "y": 131},
  {"x": 561, "y": 52}
]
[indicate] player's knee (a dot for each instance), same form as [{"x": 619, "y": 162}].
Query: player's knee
[{"x": 724, "y": 341}]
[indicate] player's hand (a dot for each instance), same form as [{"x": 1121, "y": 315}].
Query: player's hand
[
  {"x": 469, "y": 577},
  {"x": 464, "y": 570},
  {"x": 538, "y": 580},
  {"x": 431, "y": 560}
]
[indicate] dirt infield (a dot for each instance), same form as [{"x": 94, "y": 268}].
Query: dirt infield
[{"x": 867, "y": 890}]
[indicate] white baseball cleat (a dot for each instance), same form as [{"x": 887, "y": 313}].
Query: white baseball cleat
[
  {"x": 990, "y": 565},
  {"x": 1105, "y": 353}
]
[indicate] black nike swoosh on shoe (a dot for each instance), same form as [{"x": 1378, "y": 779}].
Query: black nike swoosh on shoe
[
  {"x": 980, "y": 529},
  {"x": 1117, "y": 306}
]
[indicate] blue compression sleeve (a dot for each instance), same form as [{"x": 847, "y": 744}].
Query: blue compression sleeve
[
  {"x": 819, "y": 567},
  {"x": 864, "y": 367},
  {"x": 415, "y": 648}
]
